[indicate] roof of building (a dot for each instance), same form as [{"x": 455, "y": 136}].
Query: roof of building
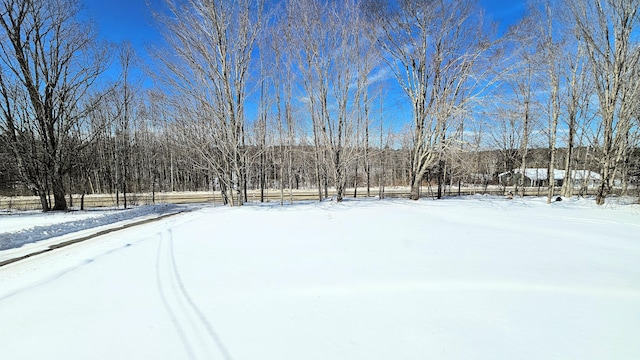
[{"x": 541, "y": 174}]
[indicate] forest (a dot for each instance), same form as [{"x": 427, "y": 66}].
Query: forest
[{"x": 249, "y": 95}]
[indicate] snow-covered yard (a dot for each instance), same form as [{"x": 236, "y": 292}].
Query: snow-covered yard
[{"x": 467, "y": 278}]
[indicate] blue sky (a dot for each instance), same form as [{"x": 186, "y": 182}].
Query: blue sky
[
  {"x": 506, "y": 12},
  {"x": 132, "y": 21},
  {"x": 124, "y": 20}
]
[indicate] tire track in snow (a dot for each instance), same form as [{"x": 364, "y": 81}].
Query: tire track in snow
[{"x": 193, "y": 328}]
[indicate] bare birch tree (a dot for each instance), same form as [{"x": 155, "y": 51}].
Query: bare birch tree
[
  {"x": 552, "y": 50},
  {"x": 209, "y": 69},
  {"x": 551, "y": 44},
  {"x": 280, "y": 70},
  {"x": 609, "y": 30},
  {"x": 576, "y": 104},
  {"x": 568, "y": 92},
  {"x": 327, "y": 40},
  {"x": 433, "y": 48},
  {"x": 522, "y": 82}
]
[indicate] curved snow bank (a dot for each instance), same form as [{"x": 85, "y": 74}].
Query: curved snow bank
[{"x": 18, "y": 229}]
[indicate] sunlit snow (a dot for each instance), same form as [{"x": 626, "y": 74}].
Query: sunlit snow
[{"x": 467, "y": 278}]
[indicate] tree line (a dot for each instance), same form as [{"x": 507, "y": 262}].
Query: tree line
[{"x": 251, "y": 94}]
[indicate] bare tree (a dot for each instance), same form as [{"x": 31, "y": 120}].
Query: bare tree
[
  {"x": 551, "y": 48},
  {"x": 576, "y": 103},
  {"x": 569, "y": 93},
  {"x": 328, "y": 41},
  {"x": 608, "y": 29},
  {"x": 124, "y": 105},
  {"x": 434, "y": 49},
  {"x": 283, "y": 77},
  {"x": 50, "y": 62},
  {"x": 209, "y": 71},
  {"x": 522, "y": 82},
  {"x": 506, "y": 131}
]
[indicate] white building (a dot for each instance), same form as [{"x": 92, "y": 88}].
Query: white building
[{"x": 539, "y": 177}]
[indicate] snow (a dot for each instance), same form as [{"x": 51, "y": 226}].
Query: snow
[
  {"x": 20, "y": 221},
  {"x": 466, "y": 278},
  {"x": 24, "y": 232}
]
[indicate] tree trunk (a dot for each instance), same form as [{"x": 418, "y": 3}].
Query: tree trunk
[
  {"x": 318, "y": 175},
  {"x": 355, "y": 182},
  {"x": 59, "y": 201},
  {"x": 567, "y": 184},
  {"x": 552, "y": 155},
  {"x": 415, "y": 183},
  {"x": 339, "y": 192},
  {"x": 525, "y": 148},
  {"x": 44, "y": 201},
  {"x": 441, "y": 166},
  {"x": 602, "y": 193},
  {"x": 124, "y": 186}
]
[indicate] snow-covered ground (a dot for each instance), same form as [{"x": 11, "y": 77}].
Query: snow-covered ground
[
  {"x": 24, "y": 232},
  {"x": 467, "y": 278}
]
